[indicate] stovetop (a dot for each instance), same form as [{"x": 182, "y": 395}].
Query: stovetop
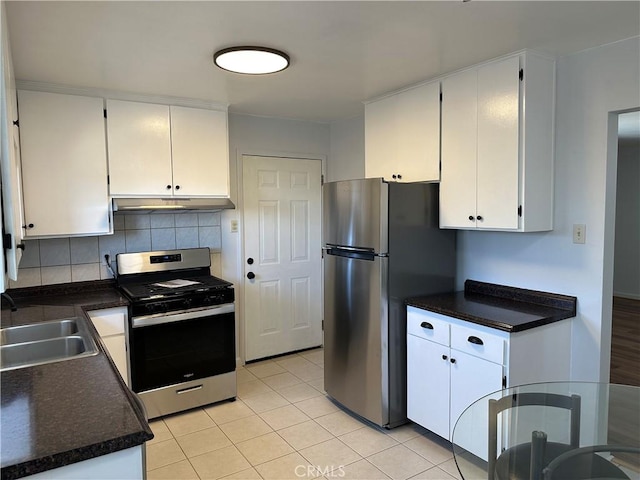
[
  {"x": 167, "y": 281},
  {"x": 172, "y": 286},
  {"x": 148, "y": 298}
]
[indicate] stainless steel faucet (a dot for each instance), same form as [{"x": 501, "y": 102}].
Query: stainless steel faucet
[{"x": 10, "y": 301}]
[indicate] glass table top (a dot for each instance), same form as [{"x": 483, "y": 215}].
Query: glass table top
[{"x": 608, "y": 426}]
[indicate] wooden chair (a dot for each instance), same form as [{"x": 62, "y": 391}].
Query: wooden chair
[{"x": 526, "y": 461}]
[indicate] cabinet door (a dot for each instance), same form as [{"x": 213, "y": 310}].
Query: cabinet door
[
  {"x": 111, "y": 324},
  {"x": 64, "y": 164},
  {"x": 199, "y": 146},
  {"x": 139, "y": 149},
  {"x": 471, "y": 379},
  {"x": 418, "y": 154},
  {"x": 111, "y": 321},
  {"x": 10, "y": 164},
  {"x": 117, "y": 347},
  {"x": 379, "y": 138},
  {"x": 459, "y": 150},
  {"x": 402, "y": 135},
  {"x": 428, "y": 384},
  {"x": 498, "y": 133}
]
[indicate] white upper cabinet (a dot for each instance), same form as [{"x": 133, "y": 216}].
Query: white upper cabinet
[
  {"x": 497, "y": 155},
  {"x": 199, "y": 147},
  {"x": 64, "y": 165},
  {"x": 9, "y": 162},
  {"x": 459, "y": 150},
  {"x": 402, "y": 135},
  {"x": 161, "y": 150},
  {"x": 139, "y": 148}
]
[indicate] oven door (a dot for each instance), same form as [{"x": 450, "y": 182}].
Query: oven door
[{"x": 177, "y": 347}]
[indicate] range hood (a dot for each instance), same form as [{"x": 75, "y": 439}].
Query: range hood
[{"x": 170, "y": 204}]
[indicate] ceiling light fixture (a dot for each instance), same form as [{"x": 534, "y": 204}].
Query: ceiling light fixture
[{"x": 251, "y": 60}]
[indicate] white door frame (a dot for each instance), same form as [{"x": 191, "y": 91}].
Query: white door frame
[
  {"x": 611, "y": 175},
  {"x": 240, "y": 264}
]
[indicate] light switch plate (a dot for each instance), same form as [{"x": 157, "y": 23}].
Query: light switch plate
[
  {"x": 579, "y": 233},
  {"x": 234, "y": 226}
]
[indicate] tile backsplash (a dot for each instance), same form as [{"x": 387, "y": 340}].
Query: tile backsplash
[{"x": 78, "y": 259}]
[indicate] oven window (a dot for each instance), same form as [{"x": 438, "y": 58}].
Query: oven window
[{"x": 177, "y": 352}]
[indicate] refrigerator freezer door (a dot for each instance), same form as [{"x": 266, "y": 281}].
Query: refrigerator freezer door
[
  {"x": 356, "y": 336},
  {"x": 355, "y": 214}
]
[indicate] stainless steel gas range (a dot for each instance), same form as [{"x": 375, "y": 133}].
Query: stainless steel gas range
[{"x": 181, "y": 334}]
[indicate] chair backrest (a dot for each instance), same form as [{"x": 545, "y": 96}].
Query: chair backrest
[{"x": 571, "y": 403}]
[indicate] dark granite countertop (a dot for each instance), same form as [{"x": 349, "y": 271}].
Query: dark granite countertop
[
  {"x": 65, "y": 412},
  {"x": 501, "y": 307}
]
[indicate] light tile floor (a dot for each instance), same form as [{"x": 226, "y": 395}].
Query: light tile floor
[{"x": 283, "y": 426}]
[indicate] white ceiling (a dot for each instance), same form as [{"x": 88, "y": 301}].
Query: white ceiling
[{"x": 342, "y": 52}]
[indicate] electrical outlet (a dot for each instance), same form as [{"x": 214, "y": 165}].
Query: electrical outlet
[
  {"x": 103, "y": 260},
  {"x": 234, "y": 226},
  {"x": 579, "y": 233}
]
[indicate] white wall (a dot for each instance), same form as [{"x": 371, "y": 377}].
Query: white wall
[
  {"x": 590, "y": 85},
  {"x": 261, "y": 136},
  {"x": 626, "y": 268},
  {"x": 346, "y": 160}
]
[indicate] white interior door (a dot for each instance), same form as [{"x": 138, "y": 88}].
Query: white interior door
[{"x": 282, "y": 249}]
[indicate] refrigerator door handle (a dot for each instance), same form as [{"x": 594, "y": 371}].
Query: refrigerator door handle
[
  {"x": 354, "y": 253},
  {"x": 331, "y": 246}
]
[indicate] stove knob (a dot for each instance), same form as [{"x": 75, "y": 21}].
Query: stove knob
[
  {"x": 187, "y": 302},
  {"x": 157, "y": 307}
]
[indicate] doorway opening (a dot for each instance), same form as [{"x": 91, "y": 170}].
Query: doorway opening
[{"x": 625, "y": 327}]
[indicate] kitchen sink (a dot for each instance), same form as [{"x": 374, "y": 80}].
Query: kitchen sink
[
  {"x": 40, "y": 343},
  {"x": 38, "y": 331}
]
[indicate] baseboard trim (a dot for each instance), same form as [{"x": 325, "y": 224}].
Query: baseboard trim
[{"x": 630, "y": 296}]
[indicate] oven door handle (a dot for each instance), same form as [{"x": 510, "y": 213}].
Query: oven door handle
[{"x": 161, "y": 318}]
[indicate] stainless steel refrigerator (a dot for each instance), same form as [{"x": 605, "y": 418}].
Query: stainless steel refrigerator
[{"x": 381, "y": 245}]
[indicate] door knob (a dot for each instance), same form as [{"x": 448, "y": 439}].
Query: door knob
[
  {"x": 168, "y": 187},
  {"x": 250, "y": 261},
  {"x": 251, "y": 275}
]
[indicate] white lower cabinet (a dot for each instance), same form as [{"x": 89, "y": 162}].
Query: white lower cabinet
[
  {"x": 128, "y": 464},
  {"x": 111, "y": 324},
  {"x": 428, "y": 401},
  {"x": 452, "y": 363},
  {"x": 443, "y": 380}
]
